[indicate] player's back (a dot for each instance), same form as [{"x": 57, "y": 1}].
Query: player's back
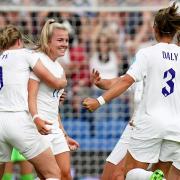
[
  {"x": 162, "y": 81},
  {"x": 158, "y": 113},
  {"x": 14, "y": 74}
]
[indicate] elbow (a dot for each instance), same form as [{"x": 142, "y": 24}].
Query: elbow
[{"x": 64, "y": 83}]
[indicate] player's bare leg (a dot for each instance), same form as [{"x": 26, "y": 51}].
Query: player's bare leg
[
  {"x": 2, "y": 166},
  {"x": 46, "y": 165},
  {"x": 163, "y": 166},
  {"x": 174, "y": 173},
  {"x": 112, "y": 171},
  {"x": 39, "y": 175},
  {"x": 8, "y": 170},
  {"x": 107, "y": 171},
  {"x": 119, "y": 169},
  {"x": 26, "y": 169},
  {"x": 63, "y": 161},
  {"x": 131, "y": 163}
]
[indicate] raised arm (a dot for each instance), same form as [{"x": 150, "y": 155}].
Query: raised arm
[
  {"x": 121, "y": 85},
  {"x": 102, "y": 83}
]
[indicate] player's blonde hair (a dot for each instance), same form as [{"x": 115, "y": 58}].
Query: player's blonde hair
[
  {"x": 167, "y": 20},
  {"x": 8, "y": 36},
  {"x": 46, "y": 34}
]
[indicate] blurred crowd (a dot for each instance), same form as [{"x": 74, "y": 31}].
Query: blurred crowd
[
  {"x": 106, "y": 41},
  {"x": 83, "y": 2}
]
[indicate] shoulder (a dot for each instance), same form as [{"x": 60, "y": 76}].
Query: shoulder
[
  {"x": 145, "y": 52},
  {"x": 176, "y": 46},
  {"x": 42, "y": 56},
  {"x": 146, "y": 49},
  {"x": 28, "y": 51}
]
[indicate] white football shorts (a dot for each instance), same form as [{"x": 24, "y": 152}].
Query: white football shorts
[
  {"x": 176, "y": 164},
  {"x": 57, "y": 142},
  {"x": 120, "y": 150},
  {"x": 153, "y": 150},
  {"x": 56, "y": 138},
  {"x": 17, "y": 130}
]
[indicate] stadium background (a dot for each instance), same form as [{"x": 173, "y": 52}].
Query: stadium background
[{"x": 126, "y": 26}]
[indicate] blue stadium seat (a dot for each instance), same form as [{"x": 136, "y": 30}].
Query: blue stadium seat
[{"x": 104, "y": 137}]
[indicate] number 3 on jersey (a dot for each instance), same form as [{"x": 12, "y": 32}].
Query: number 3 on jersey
[
  {"x": 1, "y": 78},
  {"x": 167, "y": 91}
]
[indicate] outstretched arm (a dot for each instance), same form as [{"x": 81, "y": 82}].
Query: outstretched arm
[
  {"x": 121, "y": 85},
  {"x": 102, "y": 83}
]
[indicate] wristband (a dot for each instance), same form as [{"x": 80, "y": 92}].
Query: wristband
[
  {"x": 101, "y": 100},
  {"x": 35, "y": 116}
]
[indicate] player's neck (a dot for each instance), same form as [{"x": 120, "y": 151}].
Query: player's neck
[
  {"x": 165, "y": 39},
  {"x": 17, "y": 45},
  {"x": 53, "y": 58}
]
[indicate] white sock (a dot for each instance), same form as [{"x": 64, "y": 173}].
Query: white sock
[{"x": 138, "y": 174}]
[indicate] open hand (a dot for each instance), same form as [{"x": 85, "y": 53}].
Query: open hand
[
  {"x": 95, "y": 77},
  {"x": 73, "y": 144}
]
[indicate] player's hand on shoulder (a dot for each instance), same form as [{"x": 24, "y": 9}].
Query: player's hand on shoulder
[
  {"x": 90, "y": 104},
  {"x": 95, "y": 77},
  {"x": 43, "y": 126}
]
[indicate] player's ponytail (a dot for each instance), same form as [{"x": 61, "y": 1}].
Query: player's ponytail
[
  {"x": 8, "y": 37},
  {"x": 46, "y": 34},
  {"x": 167, "y": 20}
]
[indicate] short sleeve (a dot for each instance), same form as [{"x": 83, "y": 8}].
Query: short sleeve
[
  {"x": 34, "y": 77},
  {"x": 138, "y": 69},
  {"x": 32, "y": 58}
]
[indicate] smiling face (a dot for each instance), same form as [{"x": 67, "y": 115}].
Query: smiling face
[{"x": 58, "y": 43}]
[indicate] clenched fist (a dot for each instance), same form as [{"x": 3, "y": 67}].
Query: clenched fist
[{"x": 91, "y": 104}]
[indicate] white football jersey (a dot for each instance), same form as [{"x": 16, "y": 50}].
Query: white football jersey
[
  {"x": 158, "y": 113},
  {"x": 14, "y": 75},
  {"x": 47, "y": 97}
]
